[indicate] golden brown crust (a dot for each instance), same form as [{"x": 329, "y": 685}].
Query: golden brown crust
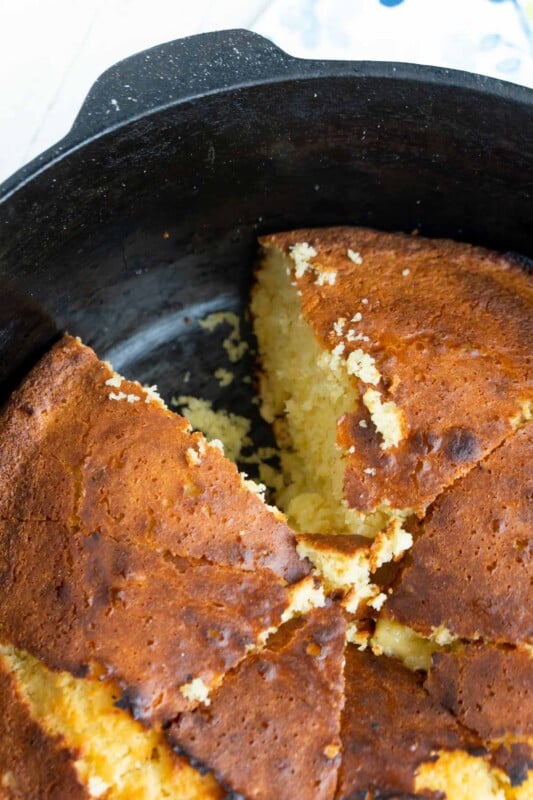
[
  {"x": 153, "y": 623},
  {"x": 471, "y": 569},
  {"x": 390, "y": 726},
  {"x": 272, "y": 729},
  {"x": 489, "y": 689},
  {"x": 450, "y": 328},
  {"x": 32, "y": 764},
  {"x": 140, "y": 549},
  {"x": 70, "y": 453}
]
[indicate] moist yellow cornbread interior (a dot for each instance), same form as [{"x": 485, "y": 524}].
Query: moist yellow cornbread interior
[
  {"x": 306, "y": 392},
  {"x": 117, "y": 758}
]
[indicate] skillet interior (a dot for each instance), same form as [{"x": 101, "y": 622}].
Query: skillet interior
[{"x": 134, "y": 235}]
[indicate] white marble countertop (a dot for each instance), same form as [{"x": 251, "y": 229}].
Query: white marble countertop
[{"x": 51, "y": 51}]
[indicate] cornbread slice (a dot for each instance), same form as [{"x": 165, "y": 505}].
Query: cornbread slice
[
  {"x": 272, "y": 729},
  {"x": 100, "y": 751},
  {"x": 398, "y": 742},
  {"x": 470, "y": 570},
  {"x": 145, "y": 556},
  {"x": 33, "y": 763},
  {"x": 489, "y": 689},
  {"x": 82, "y": 446},
  {"x": 391, "y": 366},
  {"x": 166, "y": 628}
]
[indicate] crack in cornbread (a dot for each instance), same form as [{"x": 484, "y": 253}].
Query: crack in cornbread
[{"x": 140, "y": 570}]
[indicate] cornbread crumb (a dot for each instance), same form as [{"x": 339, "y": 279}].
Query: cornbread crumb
[
  {"x": 388, "y": 419},
  {"x": 389, "y": 544},
  {"x": 363, "y": 366},
  {"x": 234, "y": 346},
  {"x": 231, "y": 429},
  {"x": 301, "y": 253},
  {"x": 338, "y": 326},
  {"x": 152, "y": 395},
  {"x": 331, "y": 751},
  {"x": 193, "y": 457},
  {"x": 97, "y": 787},
  {"x": 130, "y": 398},
  {"x": 354, "y": 256},
  {"x": 223, "y": 376},
  {"x": 356, "y": 636},
  {"x": 377, "y": 601},
  {"x": 196, "y": 691}
]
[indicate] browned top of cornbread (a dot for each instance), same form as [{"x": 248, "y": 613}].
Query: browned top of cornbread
[
  {"x": 344, "y": 544},
  {"x": 488, "y": 688},
  {"x": 33, "y": 765},
  {"x": 272, "y": 729},
  {"x": 390, "y": 726},
  {"x": 450, "y": 328},
  {"x": 153, "y": 622},
  {"x": 471, "y": 570},
  {"x": 71, "y": 453}
]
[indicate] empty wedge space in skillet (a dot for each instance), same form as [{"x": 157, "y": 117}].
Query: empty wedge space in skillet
[
  {"x": 145, "y": 556},
  {"x": 391, "y": 366},
  {"x": 64, "y": 738}
]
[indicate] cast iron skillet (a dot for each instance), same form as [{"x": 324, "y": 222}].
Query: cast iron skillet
[{"x": 145, "y": 217}]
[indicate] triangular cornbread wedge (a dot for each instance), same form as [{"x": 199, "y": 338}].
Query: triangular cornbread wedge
[
  {"x": 412, "y": 356},
  {"x": 145, "y": 555},
  {"x": 470, "y": 570},
  {"x": 272, "y": 729}
]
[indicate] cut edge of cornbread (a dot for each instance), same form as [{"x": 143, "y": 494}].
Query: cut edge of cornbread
[
  {"x": 305, "y": 418},
  {"x": 116, "y": 757}
]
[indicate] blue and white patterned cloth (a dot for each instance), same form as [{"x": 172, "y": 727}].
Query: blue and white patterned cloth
[{"x": 492, "y": 37}]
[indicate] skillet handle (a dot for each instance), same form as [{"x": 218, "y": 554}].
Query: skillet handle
[{"x": 178, "y": 70}]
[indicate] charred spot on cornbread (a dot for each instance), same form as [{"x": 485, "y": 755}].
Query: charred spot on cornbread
[
  {"x": 273, "y": 726},
  {"x": 390, "y": 727},
  {"x": 33, "y": 763},
  {"x": 515, "y": 759},
  {"x": 96, "y": 463},
  {"x": 470, "y": 569},
  {"x": 441, "y": 332}
]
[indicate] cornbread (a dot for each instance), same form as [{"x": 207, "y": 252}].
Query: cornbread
[
  {"x": 393, "y": 372},
  {"x": 489, "y": 689},
  {"x": 398, "y": 742},
  {"x": 273, "y": 727},
  {"x": 166, "y": 634},
  {"x": 470, "y": 569}
]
